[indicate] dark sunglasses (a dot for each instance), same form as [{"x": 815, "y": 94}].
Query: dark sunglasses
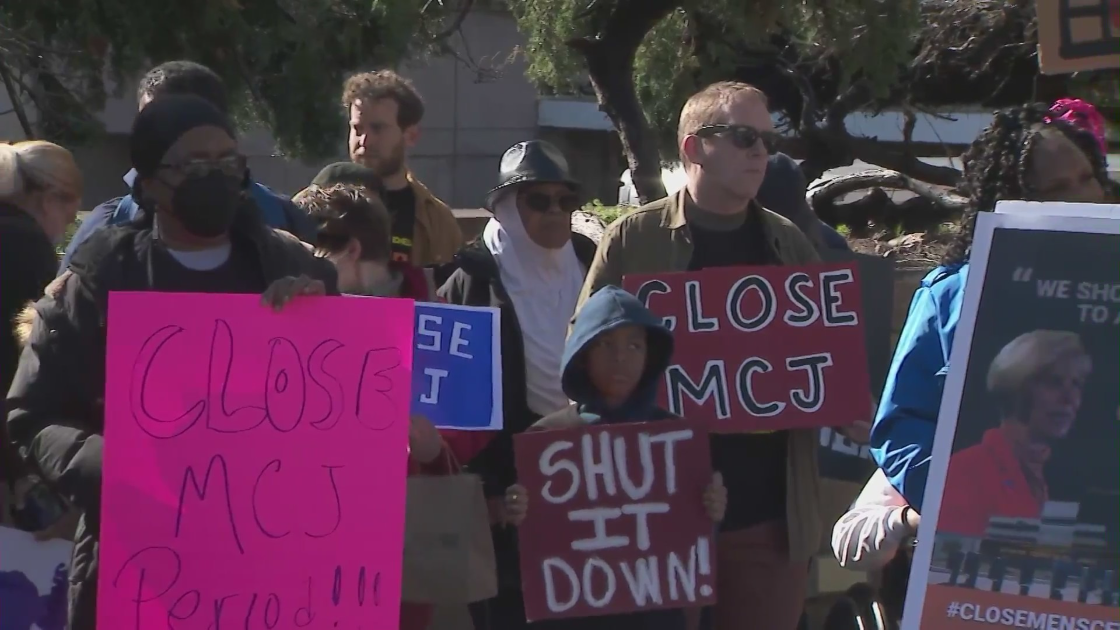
[
  {"x": 742, "y": 136},
  {"x": 543, "y": 202},
  {"x": 232, "y": 165}
]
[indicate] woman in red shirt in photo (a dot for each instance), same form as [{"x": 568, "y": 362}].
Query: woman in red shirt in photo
[{"x": 1038, "y": 380}]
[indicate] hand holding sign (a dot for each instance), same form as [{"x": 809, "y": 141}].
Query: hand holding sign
[
  {"x": 715, "y": 498},
  {"x": 280, "y": 292},
  {"x": 424, "y": 442},
  {"x": 516, "y": 505}
]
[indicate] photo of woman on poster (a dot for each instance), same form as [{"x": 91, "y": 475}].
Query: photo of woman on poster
[{"x": 1037, "y": 381}]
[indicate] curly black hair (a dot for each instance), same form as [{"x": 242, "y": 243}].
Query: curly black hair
[{"x": 998, "y": 164}]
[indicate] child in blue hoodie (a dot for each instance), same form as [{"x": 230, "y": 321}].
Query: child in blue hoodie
[{"x": 615, "y": 357}]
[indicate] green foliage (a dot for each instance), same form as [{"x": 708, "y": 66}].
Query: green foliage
[
  {"x": 284, "y": 60},
  {"x": 872, "y": 39},
  {"x": 606, "y": 214},
  {"x": 60, "y": 249}
]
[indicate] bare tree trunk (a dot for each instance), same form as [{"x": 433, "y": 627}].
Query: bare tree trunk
[
  {"x": 611, "y": 73},
  {"x": 17, "y": 101},
  {"x": 610, "y": 65}
]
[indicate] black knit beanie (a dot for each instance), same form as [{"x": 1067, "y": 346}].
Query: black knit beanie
[{"x": 164, "y": 121}]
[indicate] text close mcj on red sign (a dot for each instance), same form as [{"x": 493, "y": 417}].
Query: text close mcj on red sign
[{"x": 762, "y": 348}]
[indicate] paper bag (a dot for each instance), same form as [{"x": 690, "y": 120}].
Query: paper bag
[{"x": 448, "y": 551}]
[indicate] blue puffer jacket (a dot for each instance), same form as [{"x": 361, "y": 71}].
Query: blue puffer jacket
[{"x": 902, "y": 435}]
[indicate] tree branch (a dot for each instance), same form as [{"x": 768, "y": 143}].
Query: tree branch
[
  {"x": 16, "y": 99},
  {"x": 872, "y": 151},
  {"x": 926, "y": 211},
  {"x": 456, "y": 22},
  {"x": 830, "y": 191}
]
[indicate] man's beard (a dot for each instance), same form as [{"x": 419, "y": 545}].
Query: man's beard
[{"x": 392, "y": 164}]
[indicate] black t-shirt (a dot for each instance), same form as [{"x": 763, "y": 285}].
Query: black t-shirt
[
  {"x": 240, "y": 273},
  {"x": 402, "y": 208},
  {"x": 753, "y": 465}
]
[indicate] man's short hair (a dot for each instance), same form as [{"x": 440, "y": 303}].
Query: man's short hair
[
  {"x": 703, "y": 107},
  {"x": 345, "y": 212},
  {"x": 382, "y": 84},
  {"x": 184, "y": 77}
]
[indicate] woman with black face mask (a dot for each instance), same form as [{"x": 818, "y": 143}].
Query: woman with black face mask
[{"x": 198, "y": 232}]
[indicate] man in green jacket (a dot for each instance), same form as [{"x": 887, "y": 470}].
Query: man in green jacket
[{"x": 772, "y": 527}]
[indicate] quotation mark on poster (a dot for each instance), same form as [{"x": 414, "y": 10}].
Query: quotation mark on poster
[{"x": 1022, "y": 274}]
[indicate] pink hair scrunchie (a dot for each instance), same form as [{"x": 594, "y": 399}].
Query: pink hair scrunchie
[{"x": 1082, "y": 114}]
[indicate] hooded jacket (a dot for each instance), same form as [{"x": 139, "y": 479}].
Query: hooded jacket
[{"x": 608, "y": 309}]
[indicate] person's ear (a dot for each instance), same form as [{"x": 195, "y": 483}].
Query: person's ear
[
  {"x": 411, "y": 136},
  {"x": 692, "y": 148},
  {"x": 353, "y": 250}
]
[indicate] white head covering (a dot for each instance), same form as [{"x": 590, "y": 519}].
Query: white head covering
[{"x": 543, "y": 285}]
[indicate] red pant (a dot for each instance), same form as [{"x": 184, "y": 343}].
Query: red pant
[
  {"x": 416, "y": 616},
  {"x": 757, "y": 586}
]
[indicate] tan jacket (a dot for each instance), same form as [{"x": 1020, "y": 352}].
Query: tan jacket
[
  {"x": 437, "y": 235},
  {"x": 655, "y": 238}
]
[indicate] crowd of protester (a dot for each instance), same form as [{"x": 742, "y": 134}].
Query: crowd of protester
[{"x": 193, "y": 220}]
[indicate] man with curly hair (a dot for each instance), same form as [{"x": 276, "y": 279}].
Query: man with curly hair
[{"x": 384, "y": 111}]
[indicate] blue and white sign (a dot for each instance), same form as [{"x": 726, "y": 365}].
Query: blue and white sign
[{"x": 457, "y": 367}]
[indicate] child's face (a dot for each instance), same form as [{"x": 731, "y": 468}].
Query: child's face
[{"x": 616, "y": 361}]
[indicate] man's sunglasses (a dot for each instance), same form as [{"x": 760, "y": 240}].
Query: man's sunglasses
[
  {"x": 742, "y": 136},
  {"x": 543, "y": 202}
]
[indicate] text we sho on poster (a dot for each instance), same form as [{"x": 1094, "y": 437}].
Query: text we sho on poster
[
  {"x": 254, "y": 468},
  {"x": 762, "y": 348},
  {"x": 616, "y": 521},
  {"x": 1022, "y": 515}
]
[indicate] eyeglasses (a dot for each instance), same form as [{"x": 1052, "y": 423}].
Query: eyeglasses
[
  {"x": 232, "y": 165},
  {"x": 742, "y": 136},
  {"x": 543, "y": 202}
]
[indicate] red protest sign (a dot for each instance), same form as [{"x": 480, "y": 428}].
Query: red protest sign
[
  {"x": 762, "y": 348},
  {"x": 616, "y": 521}
]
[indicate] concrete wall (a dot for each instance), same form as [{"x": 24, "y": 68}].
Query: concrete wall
[{"x": 474, "y": 112}]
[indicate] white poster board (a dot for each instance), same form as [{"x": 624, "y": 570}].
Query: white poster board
[
  {"x": 1042, "y": 208},
  {"x": 33, "y": 581},
  {"x": 1022, "y": 509}
]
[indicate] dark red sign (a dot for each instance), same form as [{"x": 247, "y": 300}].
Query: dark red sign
[
  {"x": 616, "y": 520},
  {"x": 763, "y": 348}
]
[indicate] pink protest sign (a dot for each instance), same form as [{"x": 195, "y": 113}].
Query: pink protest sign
[{"x": 254, "y": 462}]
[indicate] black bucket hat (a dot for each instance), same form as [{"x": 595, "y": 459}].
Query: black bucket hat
[{"x": 533, "y": 161}]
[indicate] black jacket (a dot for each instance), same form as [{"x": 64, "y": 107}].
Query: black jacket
[
  {"x": 56, "y": 403},
  {"x": 28, "y": 263},
  {"x": 475, "y": 282}
]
